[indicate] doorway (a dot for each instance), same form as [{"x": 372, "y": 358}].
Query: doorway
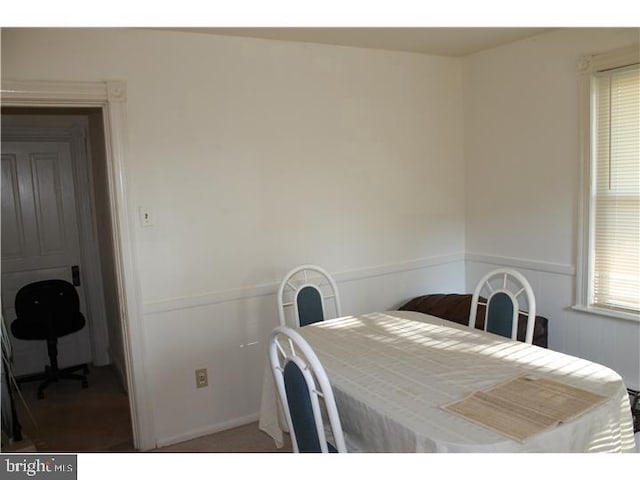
[{"x": 56, "y": 222}]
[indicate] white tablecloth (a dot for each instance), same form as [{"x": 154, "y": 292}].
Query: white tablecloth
[{"x": 391, "y": 372}]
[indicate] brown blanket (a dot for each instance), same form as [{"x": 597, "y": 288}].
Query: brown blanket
[{"x": 456, "y": 307}]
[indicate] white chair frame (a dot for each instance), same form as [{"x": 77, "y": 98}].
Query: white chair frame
[
  {"x": 523, "y": 288},
  {"x": 287, "y": 345},
  {"x": 299, "y": 278}
]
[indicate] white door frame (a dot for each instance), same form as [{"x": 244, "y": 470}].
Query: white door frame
[{"x": 110, "y": 96}]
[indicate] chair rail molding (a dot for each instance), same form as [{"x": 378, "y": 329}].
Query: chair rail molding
[
  {"x": 220, "y": 296},
  {"x": 540, "y": 266},
  {"x": 110, "y": 96}
]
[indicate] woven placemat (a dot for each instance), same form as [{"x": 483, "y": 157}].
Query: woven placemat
[{"x": 525, "y": 406}]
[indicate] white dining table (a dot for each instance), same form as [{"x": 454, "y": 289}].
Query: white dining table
[{"x": 392, "y": 373}]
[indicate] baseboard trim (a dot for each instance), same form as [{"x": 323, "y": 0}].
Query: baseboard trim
[
  {"x": 271, "y": 288},
  {"x": 219, "y": 427},
  {"x": 546, "y": 267}
]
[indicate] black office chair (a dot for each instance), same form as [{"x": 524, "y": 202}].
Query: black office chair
[{"x": 49, "y": 310}]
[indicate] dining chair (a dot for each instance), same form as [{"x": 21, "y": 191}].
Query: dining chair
[
  {"x": 305, "y": 394},
  {"x": 503, "y": 290},
  {"x": 306, "y": 292}
]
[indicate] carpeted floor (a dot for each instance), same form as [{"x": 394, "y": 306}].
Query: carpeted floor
[
  {"x": 97, "y": 419},
  {"x": 244, "y": 439},
  {"x": 74, "y": 419}
]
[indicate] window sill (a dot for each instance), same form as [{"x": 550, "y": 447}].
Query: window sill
[{"x": 632, "y": 317}]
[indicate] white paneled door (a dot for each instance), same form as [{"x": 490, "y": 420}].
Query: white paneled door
[{"x": 40, "y": 239}]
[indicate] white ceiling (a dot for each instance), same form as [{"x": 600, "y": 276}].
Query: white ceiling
[{"x": 436, "y": 41}]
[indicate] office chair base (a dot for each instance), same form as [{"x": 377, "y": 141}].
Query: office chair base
[{"x": 51, "y": 375}]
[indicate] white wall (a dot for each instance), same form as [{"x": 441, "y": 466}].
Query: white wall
[
  {"x": 522, "y": 182},
  {"x": 255, "y": 156},
  {"x": 258, "y": 155}
]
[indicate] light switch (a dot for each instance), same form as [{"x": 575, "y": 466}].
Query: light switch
[{"x": 146, "y": 219}]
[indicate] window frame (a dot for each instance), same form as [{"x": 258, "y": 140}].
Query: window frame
[{"x": 588, "y": 68}]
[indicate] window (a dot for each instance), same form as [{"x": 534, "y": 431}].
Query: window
[{"x": 609, "y": 263}]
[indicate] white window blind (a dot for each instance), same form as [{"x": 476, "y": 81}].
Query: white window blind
[{"x": 615, "y": 190}]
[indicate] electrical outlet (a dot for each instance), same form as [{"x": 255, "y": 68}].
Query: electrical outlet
[{"x": 201, "y": 378}]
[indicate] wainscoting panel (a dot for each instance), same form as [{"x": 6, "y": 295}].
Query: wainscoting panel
[{"x": 227, "y": 334}]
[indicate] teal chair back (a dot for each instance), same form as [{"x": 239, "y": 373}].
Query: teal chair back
[
  {"x": 305, "y": 394},
  {"x": 307, "y": 294},
  {"x": 507, "y": 292}
]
